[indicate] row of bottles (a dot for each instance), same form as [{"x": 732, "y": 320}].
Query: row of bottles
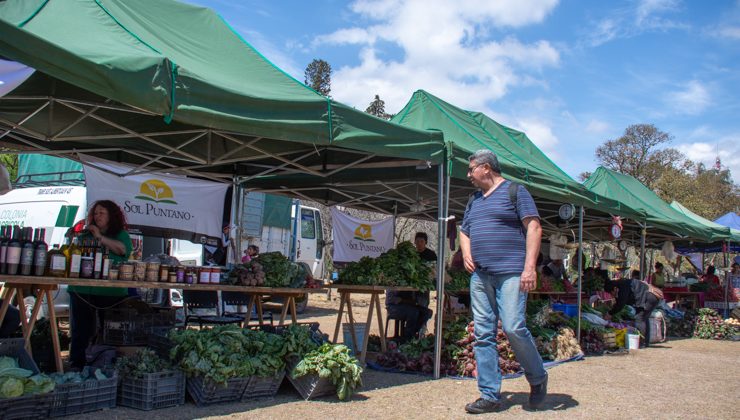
[{"x": 23, "y": 251}]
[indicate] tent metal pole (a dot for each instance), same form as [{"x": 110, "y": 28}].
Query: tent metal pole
[
  {"x": 579, "y": 254},
  {"x": 643, "y": 234},
  {"x": 239, "y": 197},
  {"x": 442, "y": 228},
  {"x": 726, "y": 264}
]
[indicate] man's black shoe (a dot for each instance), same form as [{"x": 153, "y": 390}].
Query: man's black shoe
[
  {"x": 481, "y": 406},
  {"x": 537, "y": 394}
]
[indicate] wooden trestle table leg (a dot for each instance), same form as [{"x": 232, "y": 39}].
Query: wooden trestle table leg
[
  {"x": 339, "y": 317},
  {"x": 250, "y": 305},
  {"x": 381, "y": 325},
  {"x": 54, "y": 331}
]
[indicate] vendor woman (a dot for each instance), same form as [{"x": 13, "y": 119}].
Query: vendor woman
[{"x": 106, "y": 223}]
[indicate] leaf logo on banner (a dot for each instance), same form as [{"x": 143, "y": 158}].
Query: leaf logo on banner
[
  {"x": 364, "y": 233},
  {"x": 157, "y": 191}
]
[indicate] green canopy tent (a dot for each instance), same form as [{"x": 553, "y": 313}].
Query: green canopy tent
[
  {"x": 733, "y": 235},
  {"x": 171, "y": 87}
]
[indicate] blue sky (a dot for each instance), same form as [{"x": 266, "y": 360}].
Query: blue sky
[{"x": 571, "y": 74}]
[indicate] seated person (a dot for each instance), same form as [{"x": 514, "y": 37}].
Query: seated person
[{"x": 412, "y": 308}]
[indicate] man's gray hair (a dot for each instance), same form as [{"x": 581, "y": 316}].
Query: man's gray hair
[{"x": 484, "y": 156}]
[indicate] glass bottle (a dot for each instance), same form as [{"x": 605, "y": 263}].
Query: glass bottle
[
  {"x": 4, "y": 248},
  {"x": 106, "y": 265},
  {"x": 57, "y": 262},
  {"x": 97, "y": 259},
  {"x": 27, "y": 252},
  {"x": 75, "y": 258},
  {"x": 13, "y": 256},
  {"x": 40, "y": 253}
]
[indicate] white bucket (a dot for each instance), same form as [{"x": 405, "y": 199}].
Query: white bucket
[
  {"x": 359, "y": 332},
  {"x": 633, "y": 341}
]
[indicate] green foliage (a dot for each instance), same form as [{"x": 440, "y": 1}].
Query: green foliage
[
  {"x": 15, "y": 381},
  {"x": 298, "y": 341},
  {"x": 377, "y": 108},
  {"x": 225, "y": 352},
  {"x": 710, "y": 326},
  {"x": 141, "y": 363},
  {"x": 459, "y": 280},
  {"x": 335, "y": 362},
  {"x": 10, "y": 387},
  {"x": 400, "y": 267},
  {"x": 279, "y": 270}
]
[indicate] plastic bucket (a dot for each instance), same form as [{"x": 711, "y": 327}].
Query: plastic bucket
[
  {"x": 359, "y": 332},
  {"x": 633, "y": 341}
]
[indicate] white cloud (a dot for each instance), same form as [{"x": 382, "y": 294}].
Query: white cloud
[
  {"x": 541, "y": 135},
  {"x": 597, "y": 127},
  {"x": 646, "y": 16},
  {"x": 647, "y": 9},
  {"x": 445, "y": 45},
  {"x": 729, "y": 32},
  {"x": 727, "y": 148},
  {"x": 693, "y": 99}
]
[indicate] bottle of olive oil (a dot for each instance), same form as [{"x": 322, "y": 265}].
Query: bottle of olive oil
[{"x": 75, "y": 258}]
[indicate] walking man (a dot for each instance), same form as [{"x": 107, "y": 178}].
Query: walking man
[{"x": 500, "y": 240}]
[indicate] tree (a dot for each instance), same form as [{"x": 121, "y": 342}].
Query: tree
[
  {"x": 377, "y": 108},
  {"x": 10, "y": 161},
  {"x": 709, "y": 194},
  {"x": 636, "y": 153},
  {"x": 318, "y": 76}
]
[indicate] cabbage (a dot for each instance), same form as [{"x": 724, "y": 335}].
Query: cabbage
[
  {"x": 8, "y": 362},
  {"x": 38, "y": 384},
  {"x": 11, "y": 387}
]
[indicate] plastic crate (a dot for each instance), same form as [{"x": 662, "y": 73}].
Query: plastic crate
[
  {"x": 153, "y": 391},
  {"x": 127, "y": 327},
  {"x": 311, "y": 385},
  {"x": 158, "y": 340},
  {"x": 566, "y": 308},
  {"x": 29, "y": 406},
  {"x": 207, "y": 392},
  {"x": 263, "y": 387},
  {"x": 86, "y": 396}
]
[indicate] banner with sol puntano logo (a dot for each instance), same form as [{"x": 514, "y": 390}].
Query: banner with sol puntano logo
[
  {"x": 356, "y": 238},
  {"x": 158, "y": 204}
]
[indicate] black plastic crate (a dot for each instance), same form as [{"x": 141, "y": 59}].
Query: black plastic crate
[
  {"x": 159, "y": 341},
  {"x": 207, "y": 392},
  {"x": 83, "y": 397},
  {"x": 29, "y": 406},
  {"x": 263, "y": 387},
  {"x": 153, "y": 391},
  {"x": 311, "y": 385},
  {"x": 127, "y": 327}
]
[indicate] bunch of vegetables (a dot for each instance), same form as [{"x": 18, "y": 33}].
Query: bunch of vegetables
[
  {"x": 141, "y": 363},
  {"x": 332, "y": 361},
  {"x": 16, "y": 382},
  {"x": 592, "y": 342},
  {"x": 279, "y": 270},
  {"x": 300, "y": 340},
  {"x": 459, "y": 280},
  {"x": 400, "y": 266},
  {"x": 228, "y": 351},
  {"x": 247, "y": 274},
  {"x": 683, "y": 327},
  {"x": 88, "y": 373},
  {"x": 592, "y": 281},
  {"x": 711, "y": 326}
]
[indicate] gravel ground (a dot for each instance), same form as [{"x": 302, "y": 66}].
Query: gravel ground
[{"x": 683, "y": 378}]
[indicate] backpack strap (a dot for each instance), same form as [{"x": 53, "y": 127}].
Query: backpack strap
[{"x": 513, "y": 193}]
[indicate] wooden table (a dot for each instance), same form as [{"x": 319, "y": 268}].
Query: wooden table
[
  {"x": 345, "y": 293},
  {"x": 15, "y": 286},
  {"x": 675, "y": 295},
  {"x": 556, "y": 295}
]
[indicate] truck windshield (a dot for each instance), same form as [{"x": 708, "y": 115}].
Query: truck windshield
[{"x": 308, "y": 224}]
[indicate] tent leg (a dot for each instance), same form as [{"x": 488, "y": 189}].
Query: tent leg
[
  {"x": 579, "y": 255},
  {"x": 442, "y": 229},
  {"x": 643, "y": 233}
]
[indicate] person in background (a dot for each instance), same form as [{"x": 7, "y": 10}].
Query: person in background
[
  {"x": 658, "y": 279},
  {"x": 250, "y": 253},
  {"x": 636, "y": 293},
  {"x": 500, "y": 241},
  {"x": 412, "y": 307},
  {"x": 710, "y": 277},
  {"x": 106, "y": 223},
  {"x": 11, "y": 322},
  {"x": 635, "y": 275}
]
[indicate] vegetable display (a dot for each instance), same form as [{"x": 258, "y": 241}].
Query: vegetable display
[
  {"x": 400, "y": 266},
  {"x": 247, "y": 274},
  {"x": 332, "y": 361},
  {"x": 16, "y": 381},
  {"x": 228, "y": 351},
  {"x": 459, "y": 280},
  {"x": 711, "y": 326},
  {"x": 141, "y": 363},
  {"x": 279, "y": 270},
  {"x": 88, "y": 373}
]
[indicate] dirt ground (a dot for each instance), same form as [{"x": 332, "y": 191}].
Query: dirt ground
[{"x": 682, "y": 378}]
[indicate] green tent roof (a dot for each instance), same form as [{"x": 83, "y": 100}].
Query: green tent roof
[
  {"x": 520, "y": 159},
  {"x": 187, "y": 65},
  {"x": 732, "y": 234},
  {"x": 629, "y": 190}
]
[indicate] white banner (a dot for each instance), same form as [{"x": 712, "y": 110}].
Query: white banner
[
  {"x": 356, "y": 238},
  {"x": 167, "y": 204}
]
